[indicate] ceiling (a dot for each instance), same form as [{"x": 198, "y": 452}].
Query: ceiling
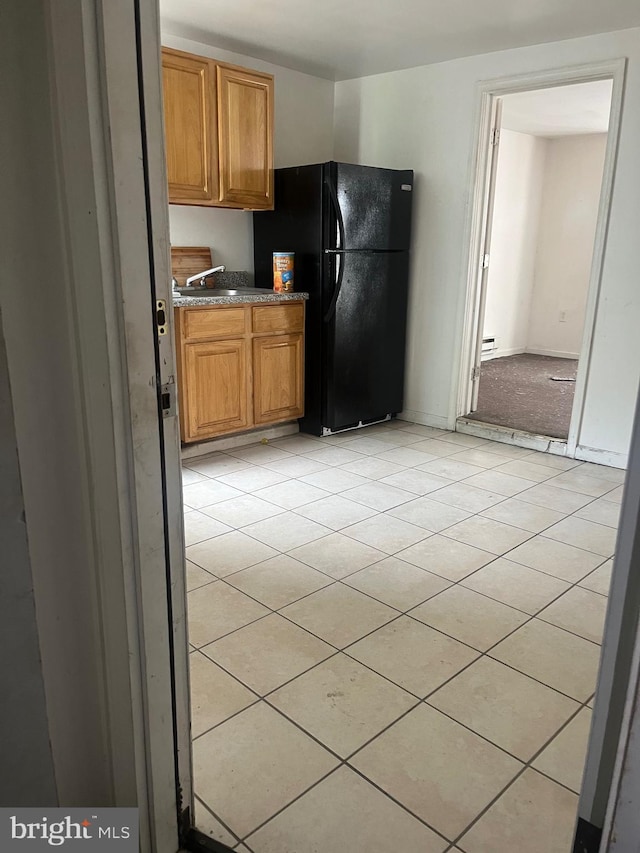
[
  {"x": 341, "y": 39},
  {"x": 561, "y": 111}
]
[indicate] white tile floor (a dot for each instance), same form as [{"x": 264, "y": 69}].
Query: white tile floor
[{"x": 395, "y": 640}]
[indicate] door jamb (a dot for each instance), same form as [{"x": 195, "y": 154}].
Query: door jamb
[
  {"x": 616, "y": 712},
  {"x": 95, "y": 78},
  {"x": 487, "y": 91},
  {"x": 158, "y": 202},
  {"x": 483, "y": 270}
]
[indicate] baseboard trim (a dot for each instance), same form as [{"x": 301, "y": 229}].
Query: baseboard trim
[
  {"x": 503, "y": 353},
  {"x": 437, "y": 421},
  {"x": 518, "y": 438},
  {"x": 602, "y": 457},
  {"x": 555, "y": 353},
  {"x": 229, "y": 442},
  {"x": 587, "y": 838}
]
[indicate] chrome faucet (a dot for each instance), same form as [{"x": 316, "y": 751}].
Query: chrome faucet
[{"x": 204, "y": 275}]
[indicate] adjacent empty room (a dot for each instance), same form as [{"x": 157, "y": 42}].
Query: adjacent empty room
[{"x": 543, "y": 213}]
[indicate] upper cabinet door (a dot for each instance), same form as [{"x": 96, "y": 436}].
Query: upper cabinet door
[
  {"x": 190, "y": 128},
  {"x": 245, "y": 134}
]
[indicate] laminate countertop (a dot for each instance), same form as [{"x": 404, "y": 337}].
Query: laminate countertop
[{"x": 246, "y": 297}]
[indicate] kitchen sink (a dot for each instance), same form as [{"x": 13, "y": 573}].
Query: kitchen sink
[
  {"x": 240, "y": 291},
  {"x": 221, "y": 291}
]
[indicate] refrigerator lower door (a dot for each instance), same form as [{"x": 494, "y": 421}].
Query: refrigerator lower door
[{"x": 364, "y": 340}]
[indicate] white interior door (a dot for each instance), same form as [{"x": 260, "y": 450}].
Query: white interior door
[{"x": 485, "y": 258}]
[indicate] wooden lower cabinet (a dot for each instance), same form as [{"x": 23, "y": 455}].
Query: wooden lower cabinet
[
  {"x": 215, "y": 388},
  {"x": 278, "y": 381},
  {"x": 239, "y": 366}
]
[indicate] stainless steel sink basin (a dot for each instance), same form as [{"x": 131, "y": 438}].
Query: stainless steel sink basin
[
  {"x": 221, "y": 291},
  {"x": 240, "y": 291}
]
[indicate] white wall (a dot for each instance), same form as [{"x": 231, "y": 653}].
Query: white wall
[
  {"x": 546, "y": 206},
  {"x": 303, "y": 119},
  {"x": 514, "y": 239},
  {"x": 570, "y": 198},
  {"x": 424, "y": 118},
  {"x": 28, "y": 773}
]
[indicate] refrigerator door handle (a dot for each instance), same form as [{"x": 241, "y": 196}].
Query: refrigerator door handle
[
  {"x": 333, "y": 195},
  {"x": 331, "y": 310}
]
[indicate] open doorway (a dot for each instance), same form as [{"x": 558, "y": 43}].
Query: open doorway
[
  {"x": 349, "y": 595},
  {"x": 543, "y": 220},
  {"x": 551, "y": 150},
  {"x": 343, "y": 793}
]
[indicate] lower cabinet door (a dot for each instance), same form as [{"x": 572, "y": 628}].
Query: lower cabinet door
[
  {"x": 278, "y": 378},
  {"x": 216, "y": 387}
]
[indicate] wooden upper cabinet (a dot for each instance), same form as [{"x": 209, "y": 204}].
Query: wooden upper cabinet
[
  {"x": 191, "y": 128},
  {"x": 219, "y": 132},
  {"x": 245, "y": 135}
]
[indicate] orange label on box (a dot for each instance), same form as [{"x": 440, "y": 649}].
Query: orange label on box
[{"x": 283, "y": 272}]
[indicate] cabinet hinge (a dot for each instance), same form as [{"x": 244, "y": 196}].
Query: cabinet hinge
[
  {"x": 161, "y": 317},
  {"x": 485, "y": 262},
  {"x": 475, "y": 374},
  {"x": 495, "y": 135}
]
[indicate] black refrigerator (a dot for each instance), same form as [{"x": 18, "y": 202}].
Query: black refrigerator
[{"x": 350, "y": 229}]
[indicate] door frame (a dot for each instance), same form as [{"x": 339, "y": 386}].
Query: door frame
[
  {"x": 113, "y": 224},
  {"x": 106, "y": 103},
  {"x": 609, "y": 788},
  {"x": 483, "y": 272},
  {"x": 487, "y": 92}
]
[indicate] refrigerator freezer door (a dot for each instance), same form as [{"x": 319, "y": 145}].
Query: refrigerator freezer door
[
  {"x": 365, "y": 340},
  {"x": 375, "y": 206}
]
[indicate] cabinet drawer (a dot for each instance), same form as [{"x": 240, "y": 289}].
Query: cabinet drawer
[
  {"x": 268, "y": 319},
  {"x": 199, "y": 324}
]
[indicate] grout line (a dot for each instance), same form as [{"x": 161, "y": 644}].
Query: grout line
[
  {"x": 527, "y": 766},
  {"x": 344, "y": 581},
  {"x": 260, "y": 697},
  {"x": 452, "y": 583},
  {"x": 462, "y": 480},
  {"x": 344, "y": 650},
  {"x": 345, "y": 762},
  {"x": 206, "y": 583},
  {"x": 407, "y": 613},
  {"x": 221, "y": 822},
  {"x": 291, "y": 802},
  {"x": 570, "y": 586},
  {"x": 342, "y": 764},
  {"x": 393, "y": 799},
  {"x": 497, "y": 745},
  {"x": 233, "y": 631}
]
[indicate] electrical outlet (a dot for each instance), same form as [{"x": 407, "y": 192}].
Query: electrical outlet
[{"x": 562, "y": 317}]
